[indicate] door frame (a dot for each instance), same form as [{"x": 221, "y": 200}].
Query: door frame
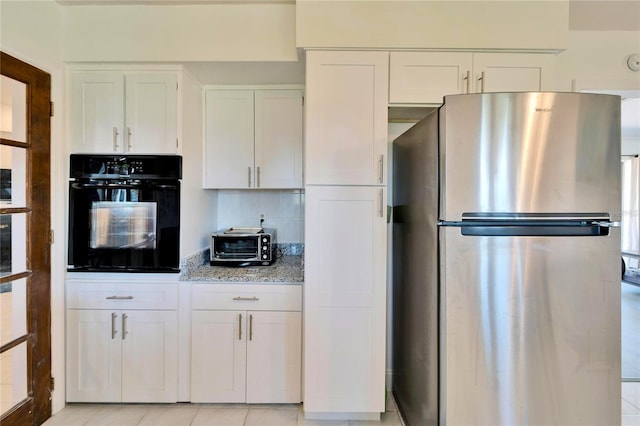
[{"x": 36, "y": 408}]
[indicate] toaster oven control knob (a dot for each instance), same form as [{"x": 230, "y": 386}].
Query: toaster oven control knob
[
  {"x": 264, "y": 248},
  {"x": 264, "y": 240},
  {"x": 264, "y": 256}
]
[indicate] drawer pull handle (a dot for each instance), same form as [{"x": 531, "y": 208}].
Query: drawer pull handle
[
  {"x": 119, "y": 297},
  {"x": 245, "y": 299}
]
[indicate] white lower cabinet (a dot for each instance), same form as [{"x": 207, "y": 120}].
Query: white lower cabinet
[
  {"x": 246, "y": 355},
  {"x": 121, "y": 356},
  {"x": 345, "y": 301},
  {"x": 122, "y": 342}
]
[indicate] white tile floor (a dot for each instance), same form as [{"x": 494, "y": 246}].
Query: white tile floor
[
  {"x": 251, "y": 415},
  {"x": 630, "y": 403},
  {"x": 202, "y": 415}
]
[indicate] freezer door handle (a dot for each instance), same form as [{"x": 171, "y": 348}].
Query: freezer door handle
[
  {"x": 524, "y": 217},
  {"x": 607, "y": 224}
]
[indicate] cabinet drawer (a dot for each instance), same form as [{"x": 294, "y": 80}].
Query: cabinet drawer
[
  {"x": 133, "y": 295},
  {"x": 247, "y": 297}
]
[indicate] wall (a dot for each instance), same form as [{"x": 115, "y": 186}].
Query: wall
[
  {"x": 31, "y": 31},
  {"x": 598, "y": 60},
  {"x": 219, "y": 32},
  {"x": 198, "y": 207},
  {"x": 283, "y": 210},
  {"x": 432, "y": 24}
]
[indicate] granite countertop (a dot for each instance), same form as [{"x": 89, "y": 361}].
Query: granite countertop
[{"x": 287, "y": 269}]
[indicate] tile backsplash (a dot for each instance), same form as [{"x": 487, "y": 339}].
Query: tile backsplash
[{"x": 283, "y": 210}]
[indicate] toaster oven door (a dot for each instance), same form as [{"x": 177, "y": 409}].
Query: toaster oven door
[{"x": 235, "y": 247}]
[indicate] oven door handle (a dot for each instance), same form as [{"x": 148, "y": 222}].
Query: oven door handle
[{"x": 76, "y": 185}]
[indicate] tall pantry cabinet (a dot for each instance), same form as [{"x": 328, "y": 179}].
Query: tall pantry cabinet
[{"x": 345, "y": 233}]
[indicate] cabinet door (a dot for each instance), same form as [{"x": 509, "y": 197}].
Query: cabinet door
[
  {"x": 97, "y": 117},
  {"x": 425, "y": 77},
  {"x": 346, "y": 117},
  {"x": 218, "y": 356},
  {"x": 229, "y": 139},
  {"x": 274, "y": 357},
  {"x": 278, "y": 138},
  {"x": 149, "y": 356},
  {"x": 151, "y": 113},
  {"x": 344, "y": 303},
  {"x": 512, "y": 72},
  {"x": 94, "y": 362}
]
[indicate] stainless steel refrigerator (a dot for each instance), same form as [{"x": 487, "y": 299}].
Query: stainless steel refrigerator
[{"x": 506, "y": 273}]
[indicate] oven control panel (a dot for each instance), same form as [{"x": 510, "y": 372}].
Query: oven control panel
[{"x": 92, "y": 166}]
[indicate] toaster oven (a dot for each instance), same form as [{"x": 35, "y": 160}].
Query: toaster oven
[{"x": 243, "y": 246}]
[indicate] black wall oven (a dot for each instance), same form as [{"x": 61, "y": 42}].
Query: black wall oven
[{"x": 124, "y": 213}]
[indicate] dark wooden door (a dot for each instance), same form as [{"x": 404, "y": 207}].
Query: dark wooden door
[{"x": 25, "y": 261}]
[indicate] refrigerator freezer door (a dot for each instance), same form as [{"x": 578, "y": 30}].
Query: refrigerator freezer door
[
  {"x": 530, "y": 330},
  {"x": 530, "y": 152}
]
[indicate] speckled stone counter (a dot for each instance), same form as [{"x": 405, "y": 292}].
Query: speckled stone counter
[{"x": 286, "y": 269}]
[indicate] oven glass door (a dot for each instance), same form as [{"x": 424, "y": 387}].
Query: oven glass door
[
  {"x": 124, "y": 226},
  {"x": 236, "y": 248}
]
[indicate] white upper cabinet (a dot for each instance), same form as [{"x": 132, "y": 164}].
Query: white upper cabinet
[
  {"x": 278, "y": 138},
  {"x": 426, "y": 77},
  {"x": 120, "y": 112},
  {"x": 346, "y": 117},
  {"x": 229, "y": 132},
  {"x": 253, "y": 138}
]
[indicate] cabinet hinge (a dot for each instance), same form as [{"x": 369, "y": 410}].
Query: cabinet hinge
[
  {"x": 51, "y": 236},
  {"x": 51, "y": 106},
  {"x": 52, "y": 383}
]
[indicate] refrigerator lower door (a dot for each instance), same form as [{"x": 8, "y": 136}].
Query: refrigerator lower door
[{"x": 529, "y": 329}]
